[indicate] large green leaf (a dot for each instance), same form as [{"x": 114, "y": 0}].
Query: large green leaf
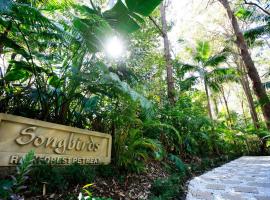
[
  {"x": 16, "y": 74},
  {"x": 135, "y": 96},
  {"x": 121, "y": 19},
  {"x": 142, "y": 7},
  {"x": 54, "y": 81},
  {"x": 16, "y": 47},
  {"x": 93, "y": 30},
  {"x": 28, "y": 67}
]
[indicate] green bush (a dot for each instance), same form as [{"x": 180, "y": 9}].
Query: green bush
[
  {"x": 166, "y": 188},
  {"x": 134, "y": 150},
  {"x": 4, "y": 184},
  {"x": 15, "y": 188},
  {"x": 178, "y": 163},
  {"x": 60, "y": 178}
]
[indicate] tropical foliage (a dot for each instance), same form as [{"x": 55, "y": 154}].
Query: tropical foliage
[{"x": 56, "y": 67}]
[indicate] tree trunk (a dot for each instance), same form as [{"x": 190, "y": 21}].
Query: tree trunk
[
  {"x": 243, "y": 110},
  {"x": 226, "y": 105},
  {"x": 252, "y": 109},
  {"x": 245, "y": 85},
  {"x": 215, "y": 106},
  {"x": 251, "y": 69},
  {"x": 167, "y": 55},
  {"x": 208, "y": 100}
]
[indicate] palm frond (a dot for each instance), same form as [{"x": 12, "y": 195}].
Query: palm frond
[
  {"x": 252, "y": 34},
  {"x": 216, "y": 60},
  {"x": 221, "y": 75},
  {"x": 189, "y": 68},
  {"x": 203, "y": 51},
  {"x": 187, "y": 83},
  {"x": 215, "y": 86}
]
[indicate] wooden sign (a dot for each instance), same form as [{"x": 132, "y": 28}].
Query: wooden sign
[{"x": 51, "y": 142}]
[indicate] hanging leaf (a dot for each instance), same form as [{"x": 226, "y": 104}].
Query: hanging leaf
[
  {"x": 142, "y": 7},
  {"x": 93, "y": 30},
  {"x": 121, "y": 19}
]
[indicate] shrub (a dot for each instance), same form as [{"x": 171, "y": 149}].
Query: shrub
[
  {"x": 17, "y": 185},
  {"x": 179, "y": 165},
  {"x": 60, "y": 178},
  {"x": 134, "y": 150},
  {"x": 166, "y": 188}
]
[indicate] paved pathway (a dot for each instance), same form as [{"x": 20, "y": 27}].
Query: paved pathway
[{"x": 246, "y": 178}]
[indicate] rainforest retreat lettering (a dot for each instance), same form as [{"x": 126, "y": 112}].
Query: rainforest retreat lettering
[
  {"x": 15, "y": 159},
  {"x": 59, "y": 146}
]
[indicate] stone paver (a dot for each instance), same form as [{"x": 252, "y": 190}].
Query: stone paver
[{"x": 246, "y": 178}]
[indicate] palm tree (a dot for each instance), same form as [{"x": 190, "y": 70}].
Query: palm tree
[{"x": 207, "y": 70}]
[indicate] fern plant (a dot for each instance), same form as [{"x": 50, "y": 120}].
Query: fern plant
[
  {"x": 134, "y": 150},
  {"x": 19, "y": 180}
]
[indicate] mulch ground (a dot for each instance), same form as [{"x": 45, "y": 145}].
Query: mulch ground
[{"x": 135, "y": 186}]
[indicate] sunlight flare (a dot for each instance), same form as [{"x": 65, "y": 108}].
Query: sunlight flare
[{"x": 114, "y": 47}]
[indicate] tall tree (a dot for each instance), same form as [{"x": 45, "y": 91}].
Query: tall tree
[
  {"x": 245, "y": 85},
  {"x": 251, "y": 69},
  {"x": 167, "y": 55},
  {"x": 207, "y": 69}
]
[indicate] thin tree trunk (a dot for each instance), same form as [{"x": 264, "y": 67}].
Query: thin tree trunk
[
  {"x": 245, "y": 85},
  {"x": 226, "y": 105},
  {"x": 252, "y": 109},
  {"x": 251, "y": 69},
  {"x": 208, "y": 100},
  {"x": 167, "y": 55},
  {"x": 215, "y": 106},
  {"x": 244, "y": 115}
]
